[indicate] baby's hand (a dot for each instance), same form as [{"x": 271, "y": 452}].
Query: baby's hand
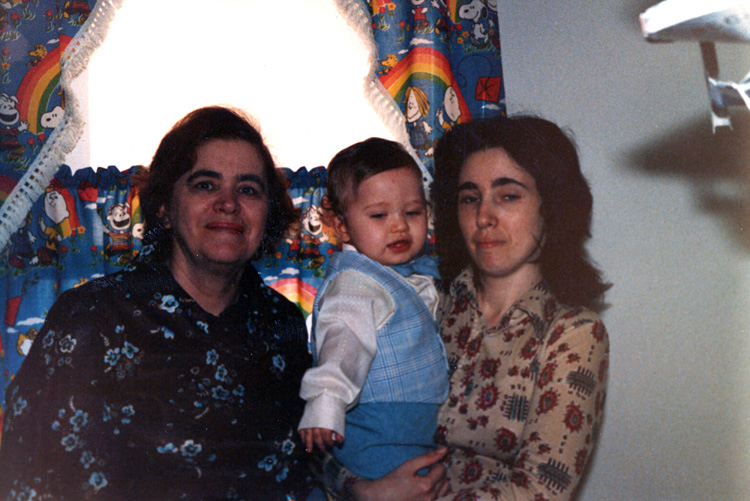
[{"x": 322, "y": 437}]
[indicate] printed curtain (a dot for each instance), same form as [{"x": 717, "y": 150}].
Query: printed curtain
[{"x": 44, "y": 45}]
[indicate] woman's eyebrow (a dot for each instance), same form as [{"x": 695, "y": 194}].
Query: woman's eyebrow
[
  {"x": 467, "y": 185},
  {"x": 204, "y": 173},
  {"x": 502, "y": 181},
  {"x": 252, "y": 178}
]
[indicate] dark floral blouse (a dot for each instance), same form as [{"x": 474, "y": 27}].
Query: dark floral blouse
[{"x": 132, "y": 389}]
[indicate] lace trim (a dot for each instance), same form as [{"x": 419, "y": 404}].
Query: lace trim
[
  {"x": 356, "y": 15},
  {"x": 64, "y": 137}
]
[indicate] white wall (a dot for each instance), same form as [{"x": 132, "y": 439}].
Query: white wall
[
  {"x": 678, "y": 406},
  {"x": 678, "y": 413}
]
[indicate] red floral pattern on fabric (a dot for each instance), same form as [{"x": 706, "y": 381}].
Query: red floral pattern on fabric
[
  {"x": 473, "y": 347},
  {"x": 547, "y": 402},
  {"x": 503, "y": 451},
  {"x": 506, "y": 440},
  {"x": 488, "y": 368},
  {"x": 574, "y": 418},
  {"x": 545, "y": 377},
  {"x": 487, "y": 398},
  {"x": 472, "y": 472}
]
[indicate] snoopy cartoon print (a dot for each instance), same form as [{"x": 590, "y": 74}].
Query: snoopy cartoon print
[
  {"x": 11, "y": 127},
  {"x": 476, "y": 11},
  {"x": 118, "y": 224}
]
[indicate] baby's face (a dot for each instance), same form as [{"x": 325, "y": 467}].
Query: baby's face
[{"x": 386, "y": 218}]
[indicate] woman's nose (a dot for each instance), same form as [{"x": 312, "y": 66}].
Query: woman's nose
[
  {"x": 485, "y": 215},
  {"x": 226, "y": 201}
]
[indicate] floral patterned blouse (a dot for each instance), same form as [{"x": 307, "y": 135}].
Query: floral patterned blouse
[
  {"x": 132, "y": 391},
  {"x": 526, "y": 397}
]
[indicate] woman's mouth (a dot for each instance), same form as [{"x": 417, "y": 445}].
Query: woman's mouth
[
  {"x": 487, "y": 244},
  {"x": 225, "y": 226}
]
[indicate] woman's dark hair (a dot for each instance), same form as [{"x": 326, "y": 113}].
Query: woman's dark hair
[
  {"x": 177, "y": 154},
  {"x": 352, "y": 165},
  {"x": 543, "y": 150}
]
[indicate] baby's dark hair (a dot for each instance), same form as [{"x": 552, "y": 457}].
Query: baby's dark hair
[{"x": 352, "y": 165}]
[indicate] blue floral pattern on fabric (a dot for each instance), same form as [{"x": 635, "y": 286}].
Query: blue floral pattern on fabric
[{"x": 135, "y": 391}]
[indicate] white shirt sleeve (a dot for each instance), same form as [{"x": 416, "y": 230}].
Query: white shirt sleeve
[{"x": 353, "y": 308}]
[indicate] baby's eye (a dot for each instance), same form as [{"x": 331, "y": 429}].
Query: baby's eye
[
  {"x": 377, "y": 215},
  {"x": 414, "y": 213}
]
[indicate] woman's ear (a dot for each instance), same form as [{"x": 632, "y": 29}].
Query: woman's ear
[{"x": 162, "y": 215}]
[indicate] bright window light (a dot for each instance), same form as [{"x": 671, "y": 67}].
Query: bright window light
[{"x": 296, "y": 66}]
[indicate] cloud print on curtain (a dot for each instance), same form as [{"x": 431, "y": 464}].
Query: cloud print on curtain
[{"x": 435, "y": 63}]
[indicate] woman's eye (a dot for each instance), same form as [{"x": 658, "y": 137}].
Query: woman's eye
[
  {"x": 249, "y": 190},
  {"x": 510, "y": 197},
  {"x": 203, "y": 185},
  {"x": 467, "y": 199}
]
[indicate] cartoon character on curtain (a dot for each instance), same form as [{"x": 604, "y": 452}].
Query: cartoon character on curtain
[
  {"x": 419, "y": 15},
  {"x": 417, "y": 108},
  {"x": 122, "y": 221},
  {"x": 313, "y": 234},
  {"x": 449, "y": 114},
  {"x": 58, "y": 221},
  {"x": 118, "y": 225},
  {"x": 11, "y": 126},
  {"x": 477, "y": 13},
  {"x": 21, "y": 248}
]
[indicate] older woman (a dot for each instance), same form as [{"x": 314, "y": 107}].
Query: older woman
[
  {"x": 528, "y": 355},
  {"x": 178, "y": 378}
]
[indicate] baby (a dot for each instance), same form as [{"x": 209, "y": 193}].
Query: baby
[{"x": 380, "y": 369}]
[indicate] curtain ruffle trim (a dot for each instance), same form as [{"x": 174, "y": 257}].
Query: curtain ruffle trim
[
  {"x": 64, "y": 137},
  {"x": 356, "y": 14}
]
